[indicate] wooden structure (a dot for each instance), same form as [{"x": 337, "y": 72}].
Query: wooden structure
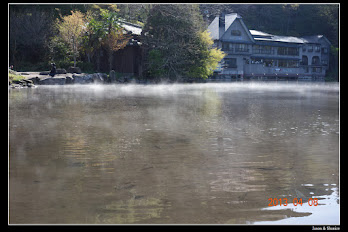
[{"x": 128, "y": 61}]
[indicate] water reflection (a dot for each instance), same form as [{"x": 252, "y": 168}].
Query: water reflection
[
  {"x": 210, "y": 153},
  {"x": 327, "y": 212}
]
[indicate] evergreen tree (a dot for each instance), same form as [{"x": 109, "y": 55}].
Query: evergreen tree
[{"x": 175, "y": 46}]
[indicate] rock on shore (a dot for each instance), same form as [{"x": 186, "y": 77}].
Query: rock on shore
[
  {"x": 22, "y": 84},
  {"x": 42, "y": 78},
  {"x": 63, "y": 78}
]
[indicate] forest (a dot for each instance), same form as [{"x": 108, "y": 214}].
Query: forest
[{"x": 34, "y": 44}]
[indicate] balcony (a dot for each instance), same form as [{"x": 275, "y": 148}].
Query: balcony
[
  {"x": 263, "y": 51},
  {"x": 237, "y": 50}
]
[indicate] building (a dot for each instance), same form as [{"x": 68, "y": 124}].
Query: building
[
  {"x": 255, "y": 54},
  {"x": 126, "y": 61}
]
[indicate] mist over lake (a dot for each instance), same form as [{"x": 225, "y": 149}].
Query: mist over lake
[{"x": 209, "y": 153}]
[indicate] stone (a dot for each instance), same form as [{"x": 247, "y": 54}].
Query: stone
[
  {"x": 82, "y": 78},
  {"x": 72, "y": 69},
  {"x": 53, "y": 81},
  {"x": 100, "y": 77},
  {"x": 61, "y": 71},
  {"x": 44, "y": 73},
  {"x": 35, "y": 80},
  {"x": 15, "y": 86},
  {"x": 69, "y": 80},
  {"x": 112, "y": 76},
  {"x": 22, "y": 84},
  {"x": 28, "y": 82},
  {"x": 97, "y": 78},
  {"x": 121, "y": 79},
  {"x": 17, "y": 82}
]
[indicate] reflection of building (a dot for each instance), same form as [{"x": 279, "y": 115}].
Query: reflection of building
[{"x": 256, "y": 54}]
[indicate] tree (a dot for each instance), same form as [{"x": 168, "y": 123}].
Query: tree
[
  {"x": 71, "y": 30},
  {"x": 104, "y": 31},
  {"x": 175, "y": 45},
  {"x": 114, "y": 37},
  {"x": 209, "y": 57},
  {"x": 29, "y": 30}
]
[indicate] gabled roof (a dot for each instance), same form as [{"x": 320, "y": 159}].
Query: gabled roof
[
  {"x": 255, "y": 35},
  {"x": 213, "y": 28},
  {"x": 229, "y": 19}
]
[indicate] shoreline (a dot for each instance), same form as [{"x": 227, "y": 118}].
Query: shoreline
[{"x": 33, "y": 79}]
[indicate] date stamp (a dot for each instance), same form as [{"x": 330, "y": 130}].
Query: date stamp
[{"x": 295, "y": 202}]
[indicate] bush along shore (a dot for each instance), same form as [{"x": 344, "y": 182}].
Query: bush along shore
[{"x": 31, "y": 79}]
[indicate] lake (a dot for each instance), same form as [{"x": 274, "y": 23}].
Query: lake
[{"x": 174, "y": 154}]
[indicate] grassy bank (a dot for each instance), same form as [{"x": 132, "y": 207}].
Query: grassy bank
[{"x": 13, "y": 77}]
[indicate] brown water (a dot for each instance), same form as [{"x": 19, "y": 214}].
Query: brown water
[{"x": 201, "y": 153}]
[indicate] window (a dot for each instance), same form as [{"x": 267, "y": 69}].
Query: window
[
  {"x": 256, "y": 49},
  {"x": 287, "y": 51},
  {"x": 316, "y": 69},
  {"x": 266, "y": 50},
  {"x": 304, "y": 60},
  {"x": 256, "y": 61},
  {"x": 288, "y": 63},
  {"x": 236, "y": 33},
  {"x": 226, "y": 46},
  {"x": 324, "y": 50},
  {"x": 324, "y": 62},
  {"x": 310, "y": 48},
  {"x": 269, "y": 63},
  {"x": 292, "y": 64},
  {"x": 315, "y": 60},
  {"x": 317, "y": 48},
  {"x": 282, "y": 51},
  {"x": 231, "y": 62},
  {"x": 242, "y": 48},
  {"x": 282, "y": 63},
  {"x": 260, "y": 49},
  {"x": 293, "y": 51},
  {"x": 304, "y": 48}
]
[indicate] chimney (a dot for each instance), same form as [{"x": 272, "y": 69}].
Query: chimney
[{"x": 221, "y": 24}]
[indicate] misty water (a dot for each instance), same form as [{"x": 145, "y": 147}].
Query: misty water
[{"x": 174, "y": 154}]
